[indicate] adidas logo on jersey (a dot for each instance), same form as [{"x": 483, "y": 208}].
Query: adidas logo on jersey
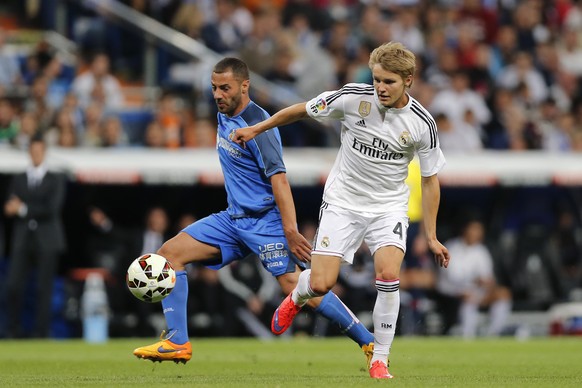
[{"x": 361, "y": 123}]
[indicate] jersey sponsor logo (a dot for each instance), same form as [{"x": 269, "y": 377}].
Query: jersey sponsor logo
[
  {"x": 325, "y": 242},
  {"x": 273, "y": 264},
  {"x": 228, "y": 147},
  {"x": 378, "y": 149},
  {"x": 361, "y": 123},
  {"x": 272, "y": 251},
  {"x": 365, "y": 108},
  {"x": 318, "y": 106},
  {"x": 404, "y": 138}
]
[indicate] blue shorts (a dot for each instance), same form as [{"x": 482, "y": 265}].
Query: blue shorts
[{"x": 239, "y": 237}]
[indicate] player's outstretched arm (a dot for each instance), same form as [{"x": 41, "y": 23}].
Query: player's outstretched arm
[
  {"x": 431, "y": 195},
  {"x": 298, "y": 244},
  {"x": 283, "y": 117}
]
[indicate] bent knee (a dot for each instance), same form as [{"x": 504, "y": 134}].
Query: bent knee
[
  {"x": 320, "y": 287},
  {"x": 172, "y": 255},
  {"x": 388, "y": 275}
]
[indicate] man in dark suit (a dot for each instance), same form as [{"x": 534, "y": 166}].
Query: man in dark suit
[{"x": 35, "y": 200}]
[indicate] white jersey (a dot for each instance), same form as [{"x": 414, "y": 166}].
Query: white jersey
[{"x": 377, "y": 144}]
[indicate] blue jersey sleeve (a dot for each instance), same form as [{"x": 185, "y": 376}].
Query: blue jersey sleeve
[
  {"x": 267, "y": 148},
  {"x": 269, "y": 153}
]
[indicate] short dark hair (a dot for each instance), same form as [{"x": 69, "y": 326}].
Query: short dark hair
[
  {"x": 38, "y": 137},
  {"x": 239, "y": 69}
]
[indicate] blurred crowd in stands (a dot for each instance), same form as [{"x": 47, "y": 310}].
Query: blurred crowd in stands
[
  {"x": 495, "y": 74},
  {"x": 500, "y": 75}
]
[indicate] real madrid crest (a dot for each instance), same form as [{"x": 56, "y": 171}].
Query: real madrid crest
[
  {"x": 364, "y": 108},
  {"x": 325, "y": 242},
  {"x": 404, "y": 138}
]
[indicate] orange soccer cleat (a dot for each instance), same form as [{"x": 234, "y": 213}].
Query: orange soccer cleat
[
  {"x": 368, "y": 352},
  {"x": 165, "y": 350},
  {"x": 284, "y": 315}
]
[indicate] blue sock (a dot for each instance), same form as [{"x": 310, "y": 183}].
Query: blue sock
[
  {"x": 175, "y": 310},
  {"x": 332, "y": 308}
]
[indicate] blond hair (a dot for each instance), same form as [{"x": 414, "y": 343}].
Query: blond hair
[{"x": 394, "y": 57}]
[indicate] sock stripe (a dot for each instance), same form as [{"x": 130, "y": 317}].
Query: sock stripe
[{"x": 387, "y": 286}]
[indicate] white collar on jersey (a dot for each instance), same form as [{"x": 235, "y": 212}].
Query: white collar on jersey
[{"x": 383, "y": 109}]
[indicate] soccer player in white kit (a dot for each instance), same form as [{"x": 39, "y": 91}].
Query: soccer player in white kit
[{"x": 365, "y": 196}]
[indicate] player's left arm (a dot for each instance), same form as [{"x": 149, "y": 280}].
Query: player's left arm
[
  {"x": 298, "y": 244},
  {"x": 431, "y": 195}
]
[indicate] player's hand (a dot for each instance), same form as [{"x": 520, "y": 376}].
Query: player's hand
[
  {"x": 12, "y": 206},
  {"x": 243, "y": 135},
  {"x": 441, "y": 253},
  {"x": 299, "y": 246}
]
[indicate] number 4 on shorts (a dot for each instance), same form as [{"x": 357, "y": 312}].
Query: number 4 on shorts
[{"x": 398, "y": 229}]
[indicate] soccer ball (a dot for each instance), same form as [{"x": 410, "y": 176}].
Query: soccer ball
[{"x": 150, "y": 278}]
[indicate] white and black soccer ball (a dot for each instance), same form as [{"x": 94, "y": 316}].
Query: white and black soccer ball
[{"x": 151, "y": 278}]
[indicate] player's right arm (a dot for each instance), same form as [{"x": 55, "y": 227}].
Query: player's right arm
[
  {"x": 283, "y": 117},
  {"x": 298, "y": 244}
]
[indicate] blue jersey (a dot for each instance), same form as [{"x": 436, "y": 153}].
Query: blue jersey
[{"x": 247, "y": 170}]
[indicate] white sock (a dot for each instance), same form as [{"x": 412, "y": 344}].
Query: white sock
[
  {"x": 499, "y": 312},
  {"x": 469, "y": 314},
  {"x": 303, "y": 292},
  {"x": 385, "y": 316}
]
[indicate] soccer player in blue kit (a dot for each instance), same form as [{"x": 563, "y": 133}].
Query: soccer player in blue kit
[{"x": 260, "y": 219}]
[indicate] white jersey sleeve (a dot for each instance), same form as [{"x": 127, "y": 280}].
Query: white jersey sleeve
[
  {"x": 328, "y": 105},
  {"x": 428, "y": 148}
]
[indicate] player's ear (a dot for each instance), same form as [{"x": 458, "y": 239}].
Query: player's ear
[
  {"x": 408, "y": 81},
  {"x": 245, "y": 86}
]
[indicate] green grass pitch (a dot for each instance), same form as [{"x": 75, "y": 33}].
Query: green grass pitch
[{"x": 299, "y": 362}]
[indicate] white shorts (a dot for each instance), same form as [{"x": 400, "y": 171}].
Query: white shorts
[{"x": 341, "y": 231}]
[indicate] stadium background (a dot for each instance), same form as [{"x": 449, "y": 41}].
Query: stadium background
[{"x": 155, "y": 64}]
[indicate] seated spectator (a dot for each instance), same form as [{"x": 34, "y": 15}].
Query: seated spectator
[
  {"x": 154, "y": 136},
  {"x": 466, "y": 100},
  {"x": 469, "y": 283},
  {"x": 58, "y": 84},
  {"x": 36, "y": 61},
  {"x": 112, "y": 133},
  {"x": 91, "y": 133},
  {"x": 170, "y": 118},
  {"x": 10, "y": 75},
  {"x": 205, "y": 133},
  {"x": 554, "y": 127},
  {"x": 63, "y": 132},
  {"x": 458, "y": 138},
  {"x": 99, "y": 84},
  {"x": 8, "y": 122},
  {"x": 37, "y": 102},
  {"x": 258, "y": 49},
  {"x": 28, "y": 129},
  {"x": 523, "y": 71},
  {"x": 223, "y": 35}
]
